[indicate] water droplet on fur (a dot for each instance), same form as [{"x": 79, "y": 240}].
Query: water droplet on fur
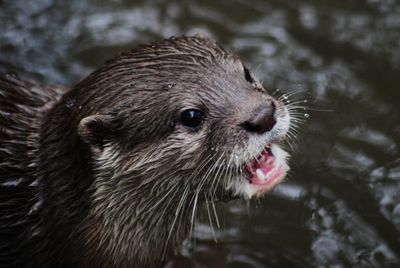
[
  {"x": 305, "y": 101},
  {"x": 6, "y": 114},
  {"x": 306, "y": 115},
  {"x": 70, "y": 103},
  {"x": 284, "y": 97},
  {"x": 169, "y": 86}
]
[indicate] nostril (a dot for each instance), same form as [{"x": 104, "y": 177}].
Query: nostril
[{"x": 262, "y": 120}]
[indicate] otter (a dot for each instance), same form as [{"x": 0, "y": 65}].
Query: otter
[{"x": 109, "y": 172}]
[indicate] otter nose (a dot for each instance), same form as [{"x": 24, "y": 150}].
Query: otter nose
[{"x": 262, "y": 120}]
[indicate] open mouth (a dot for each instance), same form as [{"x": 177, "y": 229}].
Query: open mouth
[
  {"x": 265, "y": 171},
  {"x": 262, "y": 173}
]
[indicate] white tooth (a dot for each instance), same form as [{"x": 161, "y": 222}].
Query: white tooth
[{"x": 260, "y": 174}]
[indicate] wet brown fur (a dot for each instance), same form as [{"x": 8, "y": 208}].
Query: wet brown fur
[{"x": 93, "y": 176}]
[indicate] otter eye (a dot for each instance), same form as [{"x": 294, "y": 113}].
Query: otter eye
[
  {"x": 247, "y": 75},
  {"x": 192, "y": 118}
]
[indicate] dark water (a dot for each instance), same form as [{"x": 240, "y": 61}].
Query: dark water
[{"x": 341, "y": 205}]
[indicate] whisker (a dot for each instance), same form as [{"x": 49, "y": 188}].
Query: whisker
[
  {"x": 210, "y": 220},
  {"x": 180, "y": 204},
  {"x": 193, "y": 214},
  {"x": 215, "y": 213}
]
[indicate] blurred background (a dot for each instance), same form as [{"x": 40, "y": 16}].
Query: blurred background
[{"x": 340, "y": 206}]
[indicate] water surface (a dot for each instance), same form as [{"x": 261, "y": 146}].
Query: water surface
[{"x": 340, "y": 206}]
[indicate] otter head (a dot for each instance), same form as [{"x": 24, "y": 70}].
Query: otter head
[{"x": 169, "y": 125}]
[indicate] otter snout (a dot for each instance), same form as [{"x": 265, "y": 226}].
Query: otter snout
[{"x": 262, "y": 118}]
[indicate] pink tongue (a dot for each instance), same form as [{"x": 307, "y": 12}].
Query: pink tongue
[
  {"x": 266, "y": 169},
  {"x": 265, "y": 163}
]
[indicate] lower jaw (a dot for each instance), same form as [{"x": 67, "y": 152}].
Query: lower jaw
[
  {"x": 242, "y": 187},
  {"x": 259, "y": 189},
  {"x": 256, "y": 188}
]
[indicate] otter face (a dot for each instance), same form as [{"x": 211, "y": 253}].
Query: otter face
[
  {"x": 185, "y": 112},
  {"x": 167, "y": 125}
]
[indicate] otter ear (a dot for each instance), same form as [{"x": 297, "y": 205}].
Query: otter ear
[{"x": 96, "y": 130}]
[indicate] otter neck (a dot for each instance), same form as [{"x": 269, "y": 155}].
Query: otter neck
[
  {"x": 143, "y": 223},
  {"x": 65, "y": 177}
]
